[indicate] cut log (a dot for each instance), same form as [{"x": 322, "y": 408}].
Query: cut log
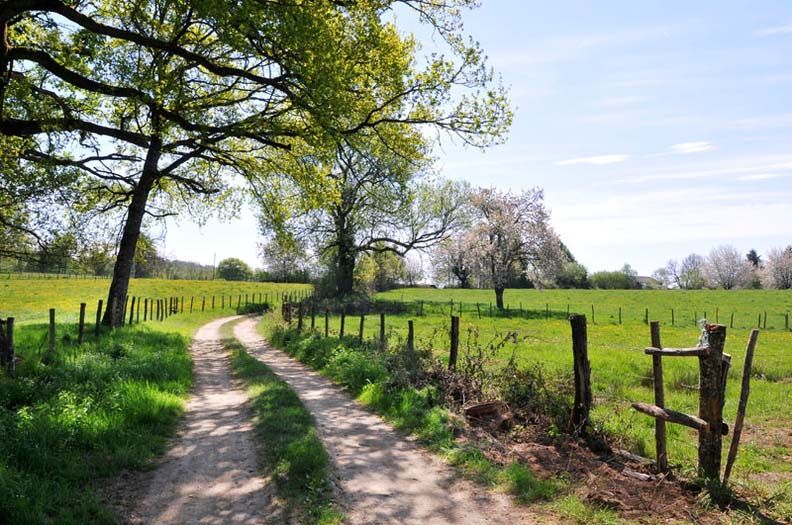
[
  {"x": 492, "y": 413},
  {"x": 678, "y": 352}
]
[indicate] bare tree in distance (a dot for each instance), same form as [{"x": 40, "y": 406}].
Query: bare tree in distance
[
  {"x": 686, "y": 275},
  {"x": 726, "y": 267}
]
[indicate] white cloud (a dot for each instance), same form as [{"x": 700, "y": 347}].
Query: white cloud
[
  {"x": 777, "y": 30},
  {"x": 685, "y": 148},
  {"x": 597, "y": 160},
  {"x": 620, "y": 102},
  {"x": 741, "y": 166},
  {"x": 782, "y": 120},
  {"x": 762, "y": 176}
]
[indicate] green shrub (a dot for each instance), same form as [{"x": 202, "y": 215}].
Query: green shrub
[{"x": 355, "y": 369}]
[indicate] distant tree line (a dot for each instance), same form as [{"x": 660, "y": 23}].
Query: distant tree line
[{"x": 726, "y": 268}]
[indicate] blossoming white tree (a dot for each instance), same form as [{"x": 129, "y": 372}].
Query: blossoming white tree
[
  {"x": 779, "y": 268},
  {"x": 726, "y": 267},
  {"x": 511, "y": 233}
]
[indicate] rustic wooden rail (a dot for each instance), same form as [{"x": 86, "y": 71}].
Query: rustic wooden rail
[{"x": 713, "y": 371}]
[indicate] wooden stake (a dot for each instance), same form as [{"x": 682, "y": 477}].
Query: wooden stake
[
  {"x": 659, "y": 392},
  {"x": 410, "y": 336},
  {"x": 744, "y": 393},
  {"x": 711, "y": 404},
  {"x": 132, "y": 311},
  {"x": 81, "y": 325},
  {"x": 582, "y": 369},
  {"x": 98, "y": 318},
  {"x": 382, "y": 329},
  {"x": 51, "y": 353},
  {"x": 452, "y": 356},
  {"x": 362, "y": 323},
  {"x": 10, "y": 358},
  {"x": 327, "y": 322},
  {"x": 343, "y": 319}
]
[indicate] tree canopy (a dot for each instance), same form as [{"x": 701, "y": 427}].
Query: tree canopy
[{"x": 150, "y": 108}]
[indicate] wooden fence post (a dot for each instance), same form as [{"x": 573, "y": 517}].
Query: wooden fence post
[
  {"x": 659, "y": 392},
  {"x": 453, "y": 354},
  {"x": 362, "y": 323},
  {"x": 731, "y": 323},
  {"x": 203, "y": 303},
  {"x": 646, "y": 316},
  {"x": 132, "y": 311},
  {"x": 81, "y": 325},
  {"x": 181, "y": 310},
  {"x": 137, "y": 313},
  {"x": 582, "y": 369},
  {"x": 620, "y": 316},
  {"x": 124, "y": 308},
  {"x": 213, "y": 302},
  {"x": 711, "y": 404},
  {"x": 51, "y": 352},
  {"x": 382, "y": 329},
  {"x": 10, "y": 358},
  {"x": 300, "y": 316},
  {"x": 327, "y": 322},
  {"x": 98, "y": 318},
  {"x": 672, "y": 317},
  {"x": 145, "y": 309},
  {"x": 592, "y": 314},
  {"x": 410, "y": 335},
  {"x": 313, "y": 316},
  {"x": 192, "y": 299},
  {"x": 478, "y": 310},
  {"x": 343, "y": 319}
]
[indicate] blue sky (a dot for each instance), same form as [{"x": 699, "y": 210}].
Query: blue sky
[{"x": 655, "y": 128}]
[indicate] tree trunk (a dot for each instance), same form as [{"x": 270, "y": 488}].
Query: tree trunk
[
  {"x": 345, "y": 258},
  {"x": 499, "y": 297},
  {"x": 122, "y": 270}
]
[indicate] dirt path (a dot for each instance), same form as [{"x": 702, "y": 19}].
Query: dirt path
[
  {"x": 209, "y": 474},
  {"x": 384, "y": 477}
]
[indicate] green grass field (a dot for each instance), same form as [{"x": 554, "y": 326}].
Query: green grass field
[
  {"x": 29, "y": 300},
  {"x": 75, "y": 418},
  {"x": 622, "y": 373}
]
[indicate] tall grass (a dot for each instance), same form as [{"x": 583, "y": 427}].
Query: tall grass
[{"x": 107, "y": 405}]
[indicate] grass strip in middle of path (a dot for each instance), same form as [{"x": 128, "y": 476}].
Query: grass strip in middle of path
[{"x": 289, "y": 445}]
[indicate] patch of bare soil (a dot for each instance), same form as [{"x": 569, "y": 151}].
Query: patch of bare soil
[
  {"x": 384, "y": 478},
  {"x": 616, "y": 479},
  {"x": 209, "y": 475}
]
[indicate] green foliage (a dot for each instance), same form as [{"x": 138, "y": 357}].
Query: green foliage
[
  {"x": 624, "y": 279},
  {"x": 95, "y": 410},
  {"x": 572, "y": 275},
  {"x": 289, "y": 443},
  {"x": 233, "y": 269}
]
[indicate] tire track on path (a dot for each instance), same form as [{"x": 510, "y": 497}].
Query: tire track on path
[{"x": 384, "y": 477}]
